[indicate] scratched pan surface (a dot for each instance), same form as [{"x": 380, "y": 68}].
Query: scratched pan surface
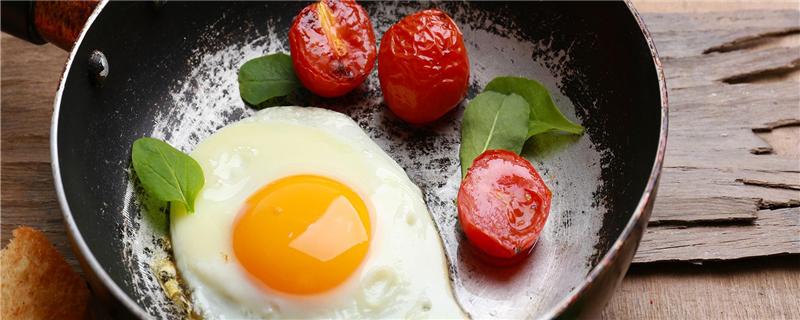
[{"x": 173, "y": 69}]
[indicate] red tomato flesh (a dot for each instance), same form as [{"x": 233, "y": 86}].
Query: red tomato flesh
[
  {"x": 333, "y": 47},
  {"x": 423, "y": 66},
  {"x": 503, "y": 205}
]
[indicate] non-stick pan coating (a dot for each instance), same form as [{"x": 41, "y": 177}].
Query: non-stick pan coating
[{"x": 173, "y": 75}]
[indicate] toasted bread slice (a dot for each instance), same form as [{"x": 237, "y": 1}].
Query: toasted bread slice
[{"x": 37, "y": 283}]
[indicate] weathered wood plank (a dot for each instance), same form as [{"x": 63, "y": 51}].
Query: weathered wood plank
[
  {"x": 730, "y": 67},
  {"x": 689, "y": 183},
  {"x": 30, "y": 76},
  {"x": 712, "y": 179},
  {"x": 749, "y": 289},
  {"x": 717, "y": 170},
  {"x": 681, "y": 35},
  {"x": 762, "y": 289},
  {"x": 782, "y": 141},
  {"x": 682, "y": 210},
  {"x": 774, "y": 232},
  {"x": 709, "y": 152}
]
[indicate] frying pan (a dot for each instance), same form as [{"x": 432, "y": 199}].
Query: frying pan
[{"x": 169, "y": 70}]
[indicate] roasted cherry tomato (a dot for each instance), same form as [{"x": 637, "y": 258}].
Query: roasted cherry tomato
[
  {"x": 503, "y": 204},
  {"x": 332, "y": 46},
  {"x": 423, "y": 66}
]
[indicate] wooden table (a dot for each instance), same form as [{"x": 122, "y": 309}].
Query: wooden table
[{"x": 725, "y": 234}]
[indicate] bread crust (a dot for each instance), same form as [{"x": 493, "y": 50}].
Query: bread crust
[{"x": 37, "y": 283}]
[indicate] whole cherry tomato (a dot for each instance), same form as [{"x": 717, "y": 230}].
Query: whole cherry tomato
[
  {"x": 423, "y": 66},
  {"x": 332, "y": 46},
  {"x": 503, "y": 205}
]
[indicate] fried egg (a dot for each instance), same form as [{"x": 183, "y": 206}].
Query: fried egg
[{"x": 303, "y": 215}]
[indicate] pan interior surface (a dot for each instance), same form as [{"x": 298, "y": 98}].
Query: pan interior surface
[{"x": 173, "y": 76}]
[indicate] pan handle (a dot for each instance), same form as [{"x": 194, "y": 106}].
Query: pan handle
[{"x": 39, "y": 22}]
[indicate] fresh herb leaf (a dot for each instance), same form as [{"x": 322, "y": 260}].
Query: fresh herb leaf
[
  {"x": 267, "y": 77},
  {"x": 493, "y": 121},
  {"x": 167, "y": 173},
  {"x": 544, "y": 115}
]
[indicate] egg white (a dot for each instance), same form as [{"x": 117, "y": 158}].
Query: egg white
[{"x": 404, "y": 274}]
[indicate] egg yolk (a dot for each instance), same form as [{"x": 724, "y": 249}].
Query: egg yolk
[{"x": 302, "y": 234}]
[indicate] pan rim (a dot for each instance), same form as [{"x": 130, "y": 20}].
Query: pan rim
[
  {"x": 78, "y": 242},
  {"x": 85, "y": 254},
  {"x": 638, "y": 214}
]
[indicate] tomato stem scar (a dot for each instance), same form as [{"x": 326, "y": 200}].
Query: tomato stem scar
[{"x": 327, "y": 21}]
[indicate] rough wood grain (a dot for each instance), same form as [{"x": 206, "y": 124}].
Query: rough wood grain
[
  {"x": 684, "y": 35},
  {"x": 725, "y": 89},
  {"x": 782, "y": 141},
  {"x": 750, "y": 289},
  {"x": 674, "y": 210},
  {"x": 29, "y": 79},
  {"x": 730, "y": 67},
  {"x": 774, "y": 232}
]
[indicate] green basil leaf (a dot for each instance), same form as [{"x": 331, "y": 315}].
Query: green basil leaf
[
  {"x": 267, "y": 77},
  {"x": 544, "y": 115},
  {"x": 493, "y": 121},
  {"x": 167, "y": 173}
]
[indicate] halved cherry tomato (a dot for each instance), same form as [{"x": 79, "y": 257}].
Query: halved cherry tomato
[
  {"x": 503, "y": 205},
  {"x": 423, "y": 66},
  {"x": 332, "y": 46}
]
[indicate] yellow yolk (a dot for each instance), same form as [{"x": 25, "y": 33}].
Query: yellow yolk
[{"x": 302, "y": 234}]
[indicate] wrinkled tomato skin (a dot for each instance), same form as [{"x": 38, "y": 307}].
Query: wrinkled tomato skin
[
  {"x": 503, "y": 205},
  {"x": 423, "y": 66},
  {"x": 319, "y": 66}
]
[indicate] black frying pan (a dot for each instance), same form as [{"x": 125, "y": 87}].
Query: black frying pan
[{"x": 172, "y": 74}]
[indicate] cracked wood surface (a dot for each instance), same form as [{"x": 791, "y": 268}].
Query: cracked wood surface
[
  {"x": 684, "y": 35},
  {"x": 722, "y": 179},
  {"x": 747, "y": 289},
  {"x": 774, "y": 232}
]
